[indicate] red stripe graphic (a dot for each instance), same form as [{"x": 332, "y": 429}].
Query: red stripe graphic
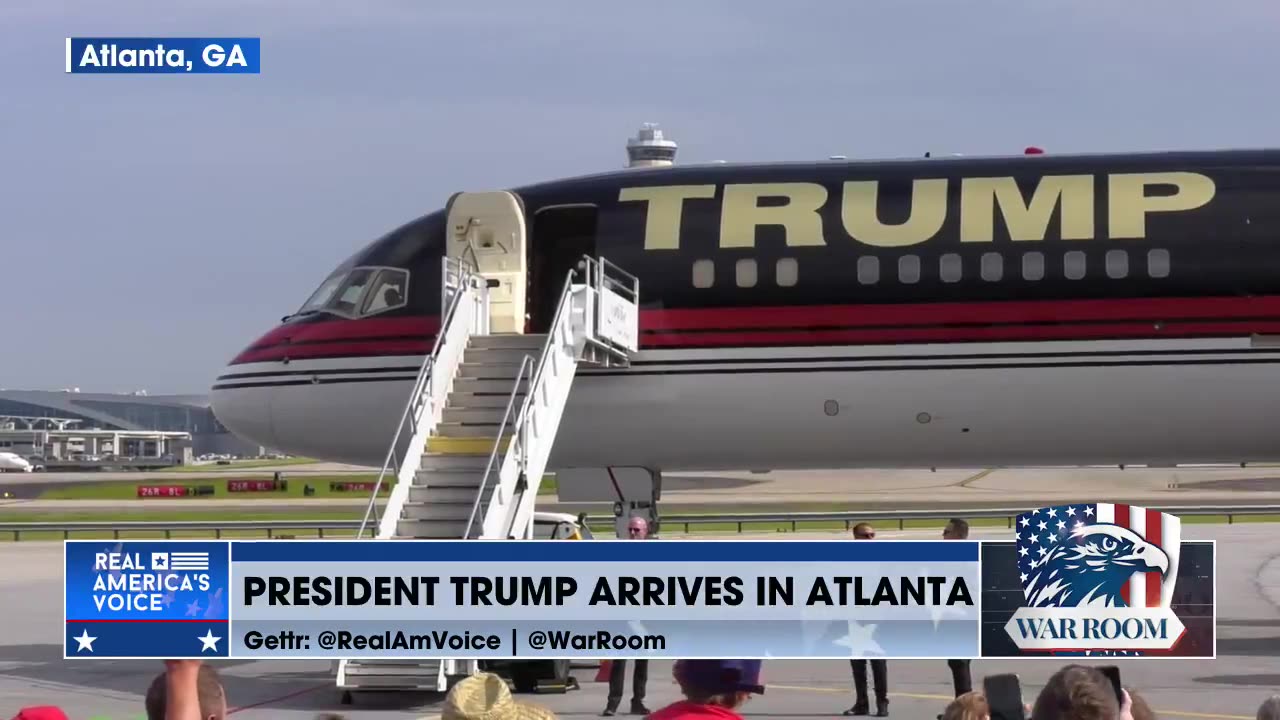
[
  {"x": 1155, "y": 536},
  {"x": 1122, "y": 519}
]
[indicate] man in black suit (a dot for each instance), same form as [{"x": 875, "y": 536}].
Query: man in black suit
[
  {"x": 637, "y": 529},
  {"x": 879, "y": 668},
  {"x": 961, "y": 677}
]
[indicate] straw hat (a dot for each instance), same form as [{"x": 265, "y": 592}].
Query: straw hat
[{"x": 485, "y": 697}]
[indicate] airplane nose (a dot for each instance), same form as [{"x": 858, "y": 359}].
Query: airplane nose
[{"x": 245, "y": 409}]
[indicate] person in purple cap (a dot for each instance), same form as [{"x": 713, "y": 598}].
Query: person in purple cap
[{"x": 712, "y": 689}]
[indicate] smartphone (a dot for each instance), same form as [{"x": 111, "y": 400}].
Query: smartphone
[
  {"x": 1113, "y": 674},
  {"x": 1004, "y": 696}
]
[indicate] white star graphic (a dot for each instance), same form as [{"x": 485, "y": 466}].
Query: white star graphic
[
  {"x": 1022, "y": 552},
  {"x": 1061, "y": 525},
  {"x": 1035, "y": 539},
  {"x": 1043, "y": 551},
  {"x": 1053, "y": 512},
  {"x": 1071, "y": 512},
  {"x": 1078, "y": 526},
  {"x": 1024, "y": 521},
  {"x": 1022, "y": 578},
  {"x": 209, "y": 642},
  {"x": 84, "y": 641},
  {"x": 859, "y": 640},
  {"x": 1042, "y": 525},
  {"x": 1088, "y": 511}
]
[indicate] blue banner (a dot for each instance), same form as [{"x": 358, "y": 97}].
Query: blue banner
[
  {"x": 146, "y": 599},
  {"x": 528, "y": 599},
  {"x": 140, "y": 55}
]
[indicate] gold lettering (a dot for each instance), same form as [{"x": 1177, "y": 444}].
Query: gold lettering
[
  {"x": 1026, "y": 221},
  {"x": 666, "y": 204},
  {"x": 741, "y": 213},
  {"x": 1128, "y": 202},
  {"x": 861, "y": 216}
]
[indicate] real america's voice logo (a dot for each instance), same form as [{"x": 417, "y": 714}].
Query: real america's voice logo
[{"x": 1097, "y": 577}]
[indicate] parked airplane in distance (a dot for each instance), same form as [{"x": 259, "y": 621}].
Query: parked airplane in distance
[
  {"x": 11, "y": 462},
  {"x": 1025, "y": 310}
]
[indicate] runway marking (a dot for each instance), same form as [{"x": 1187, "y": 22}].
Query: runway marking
[
  {"x": 965, "y": 482},
  {"x": 949, "y": 698}
]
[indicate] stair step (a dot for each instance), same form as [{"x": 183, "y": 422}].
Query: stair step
[
  {"x": 432, "y": 529},
  {"x": 449, "y": 478},
  {"x": 371, "y": 667},
  {"x": 502, "y": 370},
  {"x": 436, "y": 510},
  {"x": 440, "y": 445},
  {"x": 491, "y": 415},
  {"x": 472, "y": 464},
  {"x": 430, "y": 494},
  {"x": 507, "y": 340},
  {"x": 469, "y": 429},
  {"x": 500, "y": 386},
  {"x": 483, "y": 400}
]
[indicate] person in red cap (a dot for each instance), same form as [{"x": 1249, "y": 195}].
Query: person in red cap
[
  {"x": 637, "y": 529},
  {"x": 40, "y": 712},
  {"x": 712, "y": 689}
]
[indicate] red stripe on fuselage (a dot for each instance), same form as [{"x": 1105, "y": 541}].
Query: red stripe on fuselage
[{"x": 832, "y": 325}]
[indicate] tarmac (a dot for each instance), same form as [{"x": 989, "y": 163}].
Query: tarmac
[
  {"x": 836, "y": 489},
  {"x": 1231, "y": 687}
]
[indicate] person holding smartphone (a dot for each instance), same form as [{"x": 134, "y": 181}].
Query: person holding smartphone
[{"x": 879, "y": 668}]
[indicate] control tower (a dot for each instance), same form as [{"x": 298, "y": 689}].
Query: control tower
[{"x": 649, "y": 149}]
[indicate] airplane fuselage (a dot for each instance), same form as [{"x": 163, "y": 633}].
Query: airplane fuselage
[{"x": 945, "y": 312}]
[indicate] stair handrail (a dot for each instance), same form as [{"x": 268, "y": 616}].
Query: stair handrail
[
  {"x": 420, "y": 394},
  {"x": 597, "y": 272},
  {"x": 523, "y": 418}
]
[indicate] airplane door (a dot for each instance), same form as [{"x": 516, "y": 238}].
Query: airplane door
[{"x": 487, "y": 229}]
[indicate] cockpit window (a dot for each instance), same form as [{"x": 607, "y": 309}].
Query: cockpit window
[
  {"x": 323, "y": 293},
  {"x": 390, "y": 289},
  {"x": 347, "y": 299}
]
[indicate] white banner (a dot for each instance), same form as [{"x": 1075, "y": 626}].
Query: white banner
[
  {"x": 619, "y": 322},
  {"x": 1094, "y": 628}
]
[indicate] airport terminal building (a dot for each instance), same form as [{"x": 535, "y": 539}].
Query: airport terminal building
[{"x": 171, "y": 420}]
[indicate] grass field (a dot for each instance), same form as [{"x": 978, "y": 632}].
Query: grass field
[
  {"x": 669, "y": 526},
  {"x": 127, "y": 490}
]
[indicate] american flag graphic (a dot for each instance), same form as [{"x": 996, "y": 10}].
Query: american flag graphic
[{"x": 1040, "y": 531}]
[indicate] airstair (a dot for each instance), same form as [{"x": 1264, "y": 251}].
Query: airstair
[{"x": 477, "y": 431}]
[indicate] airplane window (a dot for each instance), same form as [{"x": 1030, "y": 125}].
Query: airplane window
[
  {"x": 745, "y": 272},
  {"x": 950, "y": 268},
  {"x": 788, "y": 272},
  {"x": 347, "y": 299},
  {"x": 389, "y": 291},
  {"x": 909, "y": 269},
  {"x": 323, "y": 293},
  {"x": 992, "y": 267},
  {"x": 868, "y": 270},
  {"x": 1117, "y": 262},
  {"x": 704, "y": 273},
  {"x": 1158, "y": 263},
  {"x": 1073, "y": 265},
  {"x": 1033, "y": 266}
]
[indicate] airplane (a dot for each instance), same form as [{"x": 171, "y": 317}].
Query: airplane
[
  {"x": 11, "y": 462},
  {"x": 1036, "y": 309}
]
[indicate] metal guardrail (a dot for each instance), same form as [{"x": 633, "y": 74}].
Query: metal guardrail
[{"x": 284, "y": 528}]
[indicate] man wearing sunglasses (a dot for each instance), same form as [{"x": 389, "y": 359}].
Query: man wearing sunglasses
[{"x": 879, "y": 668}]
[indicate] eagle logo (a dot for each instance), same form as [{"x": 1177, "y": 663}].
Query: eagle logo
[{"x": 1091, "y": 567}]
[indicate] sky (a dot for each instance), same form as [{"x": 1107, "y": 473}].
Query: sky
[{"x": 152, "y": 226}]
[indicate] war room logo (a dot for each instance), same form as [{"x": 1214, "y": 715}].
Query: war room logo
[{"x": 1097, "y": 577}]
